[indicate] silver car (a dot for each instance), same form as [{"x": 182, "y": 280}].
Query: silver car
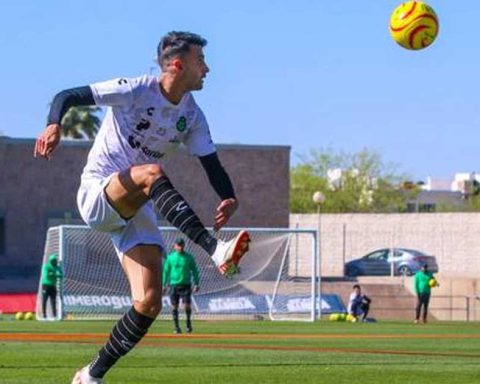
[{"x": 379, "y": 262}]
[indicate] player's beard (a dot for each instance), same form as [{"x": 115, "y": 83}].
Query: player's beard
[{"x": 199, "y": 85}]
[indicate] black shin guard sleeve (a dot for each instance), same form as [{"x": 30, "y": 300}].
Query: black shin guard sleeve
[
  {"x": 128, "y": 331},
  {"x": 177, "y": 212},
  {"x": 175, "y": 317}
]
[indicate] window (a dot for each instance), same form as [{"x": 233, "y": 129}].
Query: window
[
  {"x": 426, "y": 207},
  {"x": 378, "y": 255},
  {"x": 412, "y": 207}
]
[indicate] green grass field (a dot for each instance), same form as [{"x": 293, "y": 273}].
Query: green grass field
[{"x": 250, "y": 352}]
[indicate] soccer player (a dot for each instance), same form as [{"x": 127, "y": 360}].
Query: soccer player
[
  {"x": 51, "y": 274},
  {"x": 179, "y": 270},
  {"x": 421, "y": 286},
  {"x": 123, "y": 179},
  {"x": 358, "y": 303}
]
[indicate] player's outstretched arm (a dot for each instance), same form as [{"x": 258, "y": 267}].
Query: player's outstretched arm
[
  {"x": 225, "y": 210},
  {"x": 222, "y": 184},
  {"x": 48, "y": 140}
]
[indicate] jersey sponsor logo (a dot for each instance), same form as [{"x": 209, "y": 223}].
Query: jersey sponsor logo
[
  {"x": 143, "y": 125},
  {"x": 152, "y": 153},
  {"x": 122, "y": 81},
  {"x": 133, "y": 143},
  {"x": 181, "y": 124}
]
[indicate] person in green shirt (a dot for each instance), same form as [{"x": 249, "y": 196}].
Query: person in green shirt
[
  {"x": 178, "y": 272},
  {"x": 422, "y": 287},
  {"x": 51, "y": 274}
]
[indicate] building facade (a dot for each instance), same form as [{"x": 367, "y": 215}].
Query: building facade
[{"x": 36, "y": 194}]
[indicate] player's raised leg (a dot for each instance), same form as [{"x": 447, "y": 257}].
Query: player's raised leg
[
  {"x": 142, "y": 265},
  {"x": 130, "y": 189}
]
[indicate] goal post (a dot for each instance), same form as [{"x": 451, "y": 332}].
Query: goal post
[
  {"x": 279, "y": 278},
  {"x": 53, "y": 244}
]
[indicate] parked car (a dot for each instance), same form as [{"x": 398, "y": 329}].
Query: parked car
[{"x": 379, "y": 262}]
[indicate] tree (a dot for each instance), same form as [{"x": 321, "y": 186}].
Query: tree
[
  {"x": 81, "y": 122},
  {"x": 358, "y": 182}
]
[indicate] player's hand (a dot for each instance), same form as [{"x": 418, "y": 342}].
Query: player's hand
[
  {"x": 196, "y": 288},
  {"x": 224, "y": 211},
  {"x": 47, "y": 141}
]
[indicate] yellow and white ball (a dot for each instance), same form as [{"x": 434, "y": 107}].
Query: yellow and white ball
[
  {"x": 20, "y": 316},
  {"x": 29, "y": 316},
  {"x": 414, "y": 25}
]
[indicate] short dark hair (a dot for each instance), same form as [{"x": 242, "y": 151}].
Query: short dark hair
[
  {"x": 357, "y": 286},
  {"x": 180, "y": 242},
  {"x": 176, "y": 43}
]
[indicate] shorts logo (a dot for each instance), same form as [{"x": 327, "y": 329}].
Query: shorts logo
[{"x": 181, "y": 124}]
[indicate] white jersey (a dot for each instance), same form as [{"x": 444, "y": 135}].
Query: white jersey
[
  {"x": 142, "y": 127},
  {"x": 354, "y": 300}
]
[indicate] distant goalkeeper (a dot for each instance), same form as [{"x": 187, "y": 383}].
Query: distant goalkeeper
[{"x": 178, "y": 272}]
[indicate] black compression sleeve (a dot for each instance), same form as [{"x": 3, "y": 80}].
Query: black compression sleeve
[
  {"x": 69, "y": 98},
  {"x": 217, "y": 176}
]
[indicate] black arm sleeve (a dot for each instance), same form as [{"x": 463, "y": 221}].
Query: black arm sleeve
[
  {"x": 217, "y": 176},
  {"x": 69, "y": 98}
]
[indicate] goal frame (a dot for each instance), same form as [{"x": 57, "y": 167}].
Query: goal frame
[{"x": 315, "y": 310}]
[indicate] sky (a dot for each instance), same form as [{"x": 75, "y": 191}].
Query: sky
[{"x": 309, "y": 74}]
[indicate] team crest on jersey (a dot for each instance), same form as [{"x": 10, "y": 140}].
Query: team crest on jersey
[{"x": 181, "y": 124}]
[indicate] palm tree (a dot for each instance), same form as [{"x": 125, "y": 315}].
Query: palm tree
[{"x": 81, "y": 122}]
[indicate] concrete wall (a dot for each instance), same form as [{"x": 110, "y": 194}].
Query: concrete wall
[
  {"x": 457, "y": 298},
  {"x": 453, "y": 238},
  {"x": 35, "y": 194}
]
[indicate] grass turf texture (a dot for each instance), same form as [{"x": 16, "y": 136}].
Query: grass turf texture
[{"x": 250, "y": 352}]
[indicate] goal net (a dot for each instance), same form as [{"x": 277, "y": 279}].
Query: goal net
[{"x": 278, "y": 278}]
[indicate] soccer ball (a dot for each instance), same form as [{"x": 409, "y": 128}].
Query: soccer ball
[
  {"x": 414, "y": 25},
  {"x": 432, "y": 282},
  {"x": 19, "y": 316},
  {"x": 29, "y": 316},
  {"x": 334, "y": 317}
]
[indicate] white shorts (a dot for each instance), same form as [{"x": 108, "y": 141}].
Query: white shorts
[{"x": 98, "y": 214}]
